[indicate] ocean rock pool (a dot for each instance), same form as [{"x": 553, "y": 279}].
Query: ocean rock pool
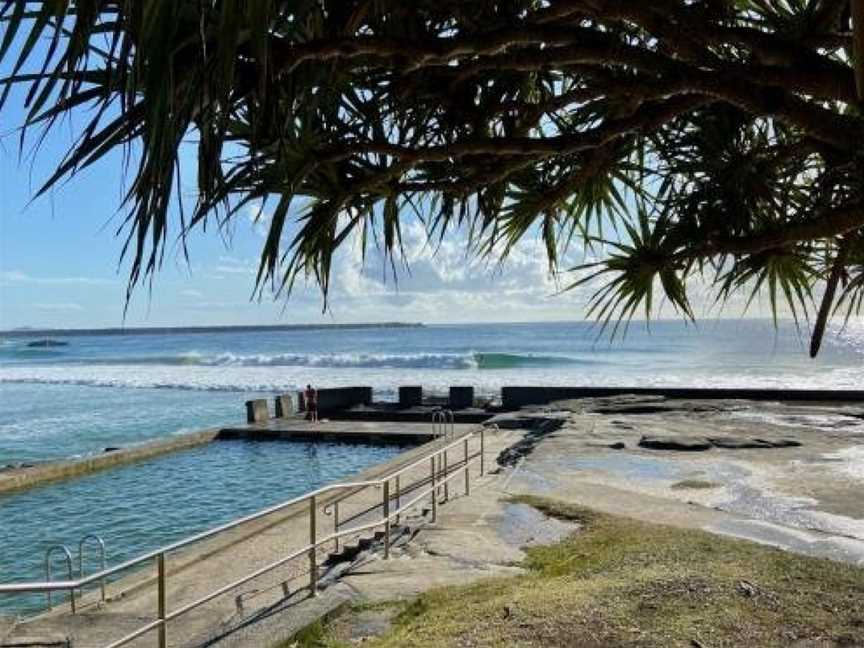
[{"x": 142, "y": 506}]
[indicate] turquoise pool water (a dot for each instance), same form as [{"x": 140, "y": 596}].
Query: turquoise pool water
[{"x": 142, "y": 506}]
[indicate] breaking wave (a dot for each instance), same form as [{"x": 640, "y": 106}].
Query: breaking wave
[{"x": 341, "y": 360}]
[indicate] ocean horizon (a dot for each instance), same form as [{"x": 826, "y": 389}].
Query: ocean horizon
[{"x": 102, "y": 389}]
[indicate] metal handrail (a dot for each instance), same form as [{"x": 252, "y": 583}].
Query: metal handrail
[
  {"x": 310, "y": 549},
  {"x": 297, "y": 553},
  {"x": 13, "y": 588},
  {"x": 361, "y": 485},
  {"x": 101, "y": 544}
]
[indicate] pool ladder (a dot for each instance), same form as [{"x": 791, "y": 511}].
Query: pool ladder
[
  {"x": 443, "y": 423},
  {"x": 70, "y": 570}
]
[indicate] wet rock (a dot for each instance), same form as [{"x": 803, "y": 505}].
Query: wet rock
[
  {"x": 580, "y": 405},
  {"x": 46, "y": 344},
  {"x": 525, "y": 420},
  {"x": 511, "y": 456},
  {"x": 17, "y": 466},
  {"x": 694, "y": 484},
  {"x": 741, "y": 443},
  {"x": 784, "y": 443},
  {"x": 738, "y": 443},
  {"x": 680, "y": 443},
  {"x": 617, "y": 445},
  {"x": 110, "y": 449}
]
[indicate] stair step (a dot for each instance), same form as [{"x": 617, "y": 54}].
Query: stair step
[{"x": 349, "y": 552}]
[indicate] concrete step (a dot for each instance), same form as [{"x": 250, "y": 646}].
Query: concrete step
[{"x": 350, "y": 551}]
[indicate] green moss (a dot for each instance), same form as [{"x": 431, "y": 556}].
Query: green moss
[
  {"x": 694, "y": 484},
  {"x": 627, "y": 583},
  {"x": 316, "y": 635}
]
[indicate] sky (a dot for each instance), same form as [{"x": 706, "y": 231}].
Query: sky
[
  {"x": 60, "y": 266},
  {"x": 60, "y": 263}
]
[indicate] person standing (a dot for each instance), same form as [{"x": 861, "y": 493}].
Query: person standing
[{"x": 310, "y": 398}]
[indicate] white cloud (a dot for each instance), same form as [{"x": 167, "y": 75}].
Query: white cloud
[
  {"x": 259, "y": 219},
  {"x": 229, "y": 265},
  {"x": 446, "y": 283},
  {"x": 13, "y": 277}
]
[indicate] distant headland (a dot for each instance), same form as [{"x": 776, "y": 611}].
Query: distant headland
[{"x": 165, "y": 330}]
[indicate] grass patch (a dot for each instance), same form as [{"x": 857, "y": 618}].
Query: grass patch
[
  {"x": 316, "y": 635},
  {"x": 688, "y": 484},
  {"x": 620, "y": 582}
]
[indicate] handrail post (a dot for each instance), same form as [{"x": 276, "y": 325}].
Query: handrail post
[
  {"x": 386, "y": 505},
  {"x": 398, "y": 501},
  {"x": 336, "y": 523},
  {"x": 161, "y": 600},
  {"x": 434, "y": 494},
  {"x": 482, "y": 451},
  {"x": 446, "y": 481},
  {"x": 467, "y": 473},
  {"x": 313, "y": 539}
]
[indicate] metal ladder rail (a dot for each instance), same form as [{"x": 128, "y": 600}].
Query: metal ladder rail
[
  {"x": 448, "y": 414},
  {"x": 69, "y": 571},
  {"x": 444, "y": 424},
  {"x": 438, "y": 423},
  {"x": 102, "y": 564}
]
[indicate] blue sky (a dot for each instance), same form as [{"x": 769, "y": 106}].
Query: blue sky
[{"x": 59, "y": 264}]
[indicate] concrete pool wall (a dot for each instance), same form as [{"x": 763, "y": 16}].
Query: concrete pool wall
[
  {"x": 349, "y": 398},
  {"x": 28, "y": 476}
]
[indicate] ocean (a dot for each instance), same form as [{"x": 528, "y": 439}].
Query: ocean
[
  {"x": 116, "y": 390},
  {"x": 100, "y": 391}
]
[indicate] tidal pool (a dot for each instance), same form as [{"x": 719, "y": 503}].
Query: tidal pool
[{"x": 142, "y": 506}]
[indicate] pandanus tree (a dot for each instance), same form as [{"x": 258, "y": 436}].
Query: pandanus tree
[{"x": 715, "y": 143}]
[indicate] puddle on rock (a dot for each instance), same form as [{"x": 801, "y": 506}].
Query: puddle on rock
[
  {"x": 812, "y": 421},
  {"x": 833, "y": 547},
  {"x": 525, "y": 526},
  {"x": 850, "y": 461},
  {"x": 745, "y": 495},
  {"x": 629, "y": 466}
]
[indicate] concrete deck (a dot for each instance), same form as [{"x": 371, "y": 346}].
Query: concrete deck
[
  {"x": 347, "y": 431},
  {"x": 391, "y": 412}
]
